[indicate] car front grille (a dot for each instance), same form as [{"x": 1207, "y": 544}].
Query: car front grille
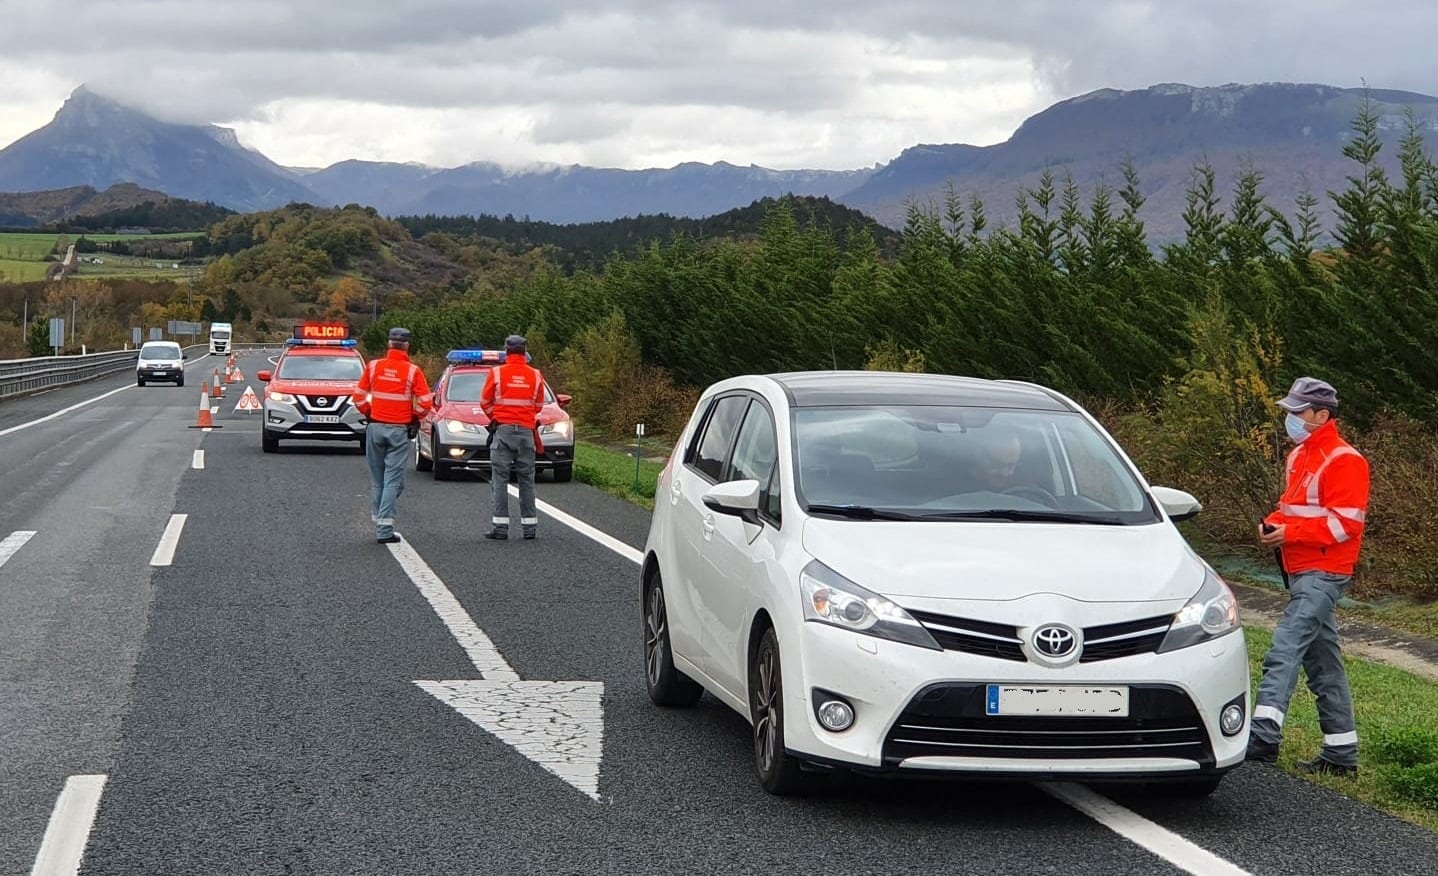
[
  {"x": 334, "y": 403},
  {"x": 1124, "y": 639},
  {"x": 949, "y": 720},
  {"x": 972, "y": 636}
]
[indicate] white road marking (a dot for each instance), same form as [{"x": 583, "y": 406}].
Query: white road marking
[
  {"x": 574, "y": 523},
  {"x": 557, "y": 724},
  {"x": 68, "y": 832},
  {"x": 12, "y": 544},
  {"x": 165, "y": 551},
  {"x": 482, "y": 653},
  {"x": 75, "y": 407},
  {"x": 199, "y": 460},
  {"x": 1139, "y": 830}
]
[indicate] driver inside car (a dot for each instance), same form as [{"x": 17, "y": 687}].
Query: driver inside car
[{"x": 991, "y": 463}]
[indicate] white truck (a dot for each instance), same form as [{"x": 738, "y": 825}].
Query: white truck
[{"x": 220, "y": 337}]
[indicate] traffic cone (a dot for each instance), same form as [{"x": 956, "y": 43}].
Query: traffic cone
[
  {"x": 217, "y": 390},
  {"x": 205, "y": 420}
]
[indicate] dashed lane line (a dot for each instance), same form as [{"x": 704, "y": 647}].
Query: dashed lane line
[
  {"x": 199, "y": 459},
  {"x": 1126, "y": 823},
  {"x": 12, "y": 544},
  {"x": 68, "y": 832},
  {"x": 75, "y": 407},
  {"x": 165, "y": 551}
]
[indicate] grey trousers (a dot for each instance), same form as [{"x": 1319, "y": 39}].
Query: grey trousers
[
  {"x": 512, "y": 450},
  {"x": 1307, "y": 636},
  {"x": 387, "y": 450}
]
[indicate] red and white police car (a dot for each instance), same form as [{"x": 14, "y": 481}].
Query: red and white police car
[
  {"x": 454, "y": 435},
  {"x": 310, "y": 394}
]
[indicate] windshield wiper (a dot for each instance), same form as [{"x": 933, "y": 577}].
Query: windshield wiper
[
  {"x": 1025, "y": 516},
  {"x": 859, "y": 512}
]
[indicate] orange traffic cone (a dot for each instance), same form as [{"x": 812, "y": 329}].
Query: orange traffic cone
[
  {"x": 205, "y": 420},
  {"x": 217, "y": 389}
]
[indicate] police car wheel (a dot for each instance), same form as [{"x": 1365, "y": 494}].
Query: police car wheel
[
  {"x": 268, "y": 442},
  {"x": 563, "y": 474},
  {"x": 420, "y": 463}
]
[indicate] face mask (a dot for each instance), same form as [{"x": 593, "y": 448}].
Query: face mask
[{"x": 1296, "y": 428}]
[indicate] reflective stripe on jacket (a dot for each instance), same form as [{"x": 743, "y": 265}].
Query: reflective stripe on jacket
[
  {"x": 393, "y": 390},
  {"x": 514, "y": 394},
  {"x": 1324, "y": 504}
]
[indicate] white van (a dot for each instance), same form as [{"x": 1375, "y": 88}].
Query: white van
[
  {"x": 161, "y": 360},
  {"x": 220, "y": 334}
]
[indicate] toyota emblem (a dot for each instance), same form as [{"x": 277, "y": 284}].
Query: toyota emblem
[{"x": 1055, "y": 642}]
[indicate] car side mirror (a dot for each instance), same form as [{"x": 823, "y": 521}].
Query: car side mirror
[
  {"x": 264, "y": 376},
  {"x": 563, "y": 399},
  {"x": 184, "y": 355},
  {"x": 1177, "y": 504},
  {"x": 736, "y": 498}
]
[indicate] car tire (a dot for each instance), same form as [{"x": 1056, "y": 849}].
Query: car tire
[
  {"x": 780, "y": 773},
  {"x": 139, "y": 382},
  {"x": 667, "y": 685},
  {"x": 1188, "y": 789},
  {"x": 180, "y": 382},
  {"x": 563, "y": 474},
  {"x": 443, "y": 471},
  {"x": 420, "y": 463},
  {"x": 268, "y": 442}
]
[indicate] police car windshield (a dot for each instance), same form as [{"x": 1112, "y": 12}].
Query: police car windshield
[
  {"x": 468, "y": 386},
  {"x": 320, "y": 368}
]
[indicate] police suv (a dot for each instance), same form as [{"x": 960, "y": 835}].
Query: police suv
[{"x": 310, "y": 394}]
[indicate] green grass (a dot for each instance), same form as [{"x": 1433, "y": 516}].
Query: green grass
[
  {"x": 613, "y": 472},
  {"x": 1390, "y": 705},
  {"x": 18, "y": 271},
  {"x": 1397, "y": 712},
  {"x": 1408, "y": 617},
  {"x": 22, "y": 258}
]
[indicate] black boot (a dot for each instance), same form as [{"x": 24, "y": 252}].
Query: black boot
[
  {"x": 498, "y": 532},
  {"x": 1260, "y": 751},
  {"x": 1323, "y": 766},
  {"x": 529, "y": 532}
]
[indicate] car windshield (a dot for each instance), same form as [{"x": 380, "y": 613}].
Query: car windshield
[
  {"x": 220, "y": 336},
  {"x": 468, "y": 386},
  {"x": 958, "y": 463},
  {"x": 160, "y": 353},
  {"x": 320, "y": 368}
]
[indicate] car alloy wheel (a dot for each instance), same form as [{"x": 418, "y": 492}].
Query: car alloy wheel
[
  {"x": 779, "y": 772},
  {"x": 667, "y": 685}
]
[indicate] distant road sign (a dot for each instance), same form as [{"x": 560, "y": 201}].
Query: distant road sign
[
  {"x": 156, "y": 334},
  {"x": 135, "y": 336},
  {"x": 57, "y": 332},
  {"x": 181, "y": 327}
]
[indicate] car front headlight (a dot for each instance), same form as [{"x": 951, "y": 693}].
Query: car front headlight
[
  {"x": 1211, "y": 613},
  {"x": 455, "y": 427},
  {"x": 280, "y": 397},
  {"x": 561, "y": 429},
  {"x": 830, "y": 598}
]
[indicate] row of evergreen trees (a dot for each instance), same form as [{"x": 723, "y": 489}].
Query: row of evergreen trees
[{"x": 1072, "y": 295}]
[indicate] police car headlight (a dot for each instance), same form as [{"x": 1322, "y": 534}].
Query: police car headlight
[
  {"x": 1211, "y": 613},
  {"x": 561, "y": 429},
  {"x": 280, "y": 397},
  {"x": 455, "y": 427}
]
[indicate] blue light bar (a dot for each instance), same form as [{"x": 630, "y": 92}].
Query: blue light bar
[
  {"x": 479, "y": 357},
  {"x": 298, "y": 342}
]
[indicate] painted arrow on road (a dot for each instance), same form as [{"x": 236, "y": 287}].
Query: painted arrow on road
[{"x": 557, "y": 724}]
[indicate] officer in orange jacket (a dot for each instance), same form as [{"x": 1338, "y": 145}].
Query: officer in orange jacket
[
  {"x": 392, "y": 393},
  {"x": 1318, "y": 528},
  {"x": 512, "y": 399}
]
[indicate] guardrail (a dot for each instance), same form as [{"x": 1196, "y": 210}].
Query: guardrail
[{"x": 25, "y": 376}]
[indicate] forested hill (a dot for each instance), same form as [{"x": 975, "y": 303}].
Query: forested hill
[{"x": 588, "y": 244}]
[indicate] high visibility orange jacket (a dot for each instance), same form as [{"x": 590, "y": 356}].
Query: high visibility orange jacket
[
  {"x": 393, "y": 390},
  {"x": 514, "y": 394},
  {"x": 1324, "y": 504}
]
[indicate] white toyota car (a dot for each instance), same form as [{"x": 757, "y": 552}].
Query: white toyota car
[{"x": 925, "y": 574}]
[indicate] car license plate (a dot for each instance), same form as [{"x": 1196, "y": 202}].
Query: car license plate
[
  {"x": 159, "y": 374},
  {"x": 1080, "y": 701},
  {"x": 322, "y": 418}
]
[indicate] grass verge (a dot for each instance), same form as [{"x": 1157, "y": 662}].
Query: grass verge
[
  {"x": 613, "y": 472},
  {"x": 1397, "y": 717}
]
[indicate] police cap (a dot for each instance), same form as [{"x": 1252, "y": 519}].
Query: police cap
[
  {"x": 399, "y": 334},
  {"x": 515, "y": 344}
]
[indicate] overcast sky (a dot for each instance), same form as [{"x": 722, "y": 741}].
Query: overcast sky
[{"x": 650, "y": 83}]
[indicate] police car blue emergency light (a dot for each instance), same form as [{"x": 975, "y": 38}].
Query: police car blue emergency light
[{"x": 479, "y": 357}]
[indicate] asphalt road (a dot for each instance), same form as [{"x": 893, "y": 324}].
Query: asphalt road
[{"x": 254, "y": 706}]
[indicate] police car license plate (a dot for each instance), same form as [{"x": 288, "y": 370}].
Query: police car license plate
[
  {"x": 321, "y": 418},
  {"x": 1069, "y": 701}
]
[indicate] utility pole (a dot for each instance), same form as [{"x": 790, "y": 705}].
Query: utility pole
[{"x": 72, "y": 322}]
